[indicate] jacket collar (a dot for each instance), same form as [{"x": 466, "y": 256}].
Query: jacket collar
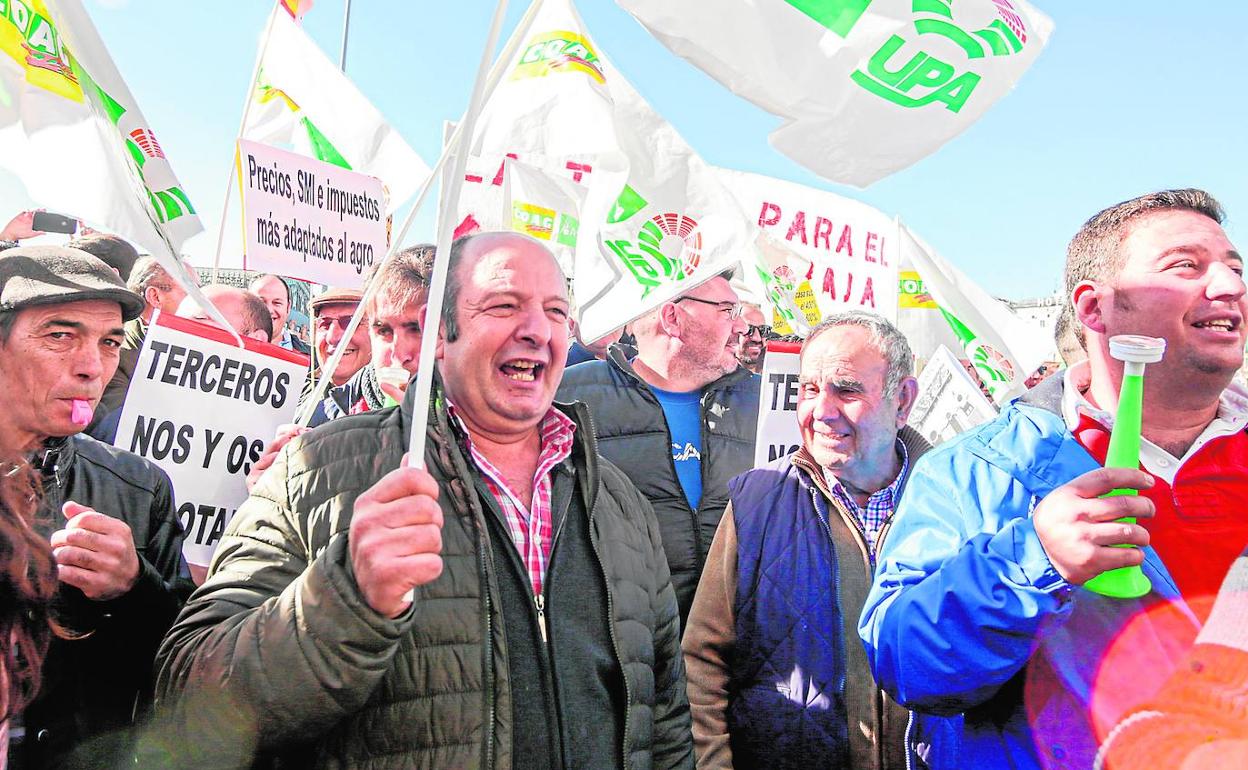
[
  {"x": 916, "y": 446},
  {"x": 56, "y": 454},
  {"x": 1047, "y": 395},
  {"x": 616, "y": 357},
  {"x": 447, "y": 444}
]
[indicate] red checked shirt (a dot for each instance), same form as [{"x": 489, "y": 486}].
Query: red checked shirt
[{"x": 530, "y": 527}]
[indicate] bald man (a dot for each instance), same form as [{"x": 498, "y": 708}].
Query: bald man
[{"x": 245, "y": 311}]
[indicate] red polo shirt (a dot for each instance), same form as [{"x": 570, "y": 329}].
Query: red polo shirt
[{"x": 1201, "y": 524}]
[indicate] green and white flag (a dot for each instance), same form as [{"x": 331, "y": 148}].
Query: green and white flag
[
  {"x": 304, "y": 101},
  {"x": 865, "y": 87},
  {"x": 663, "y": 226},
  {"x": 73, "y": 133},
  {"x": 1004, "y": 349}
]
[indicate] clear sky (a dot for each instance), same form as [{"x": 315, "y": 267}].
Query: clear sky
[{"x": 1128, "y": 97}]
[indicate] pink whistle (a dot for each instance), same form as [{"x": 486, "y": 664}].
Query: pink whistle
[{"x": 81, "y": 412}]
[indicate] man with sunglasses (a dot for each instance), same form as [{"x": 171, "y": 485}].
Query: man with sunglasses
[
  {"x": 752, "y": 343},
  {"x": 679, "y": 419}
]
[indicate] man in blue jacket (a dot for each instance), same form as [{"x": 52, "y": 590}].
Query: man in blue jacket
[{"x": 977, "y": 611}]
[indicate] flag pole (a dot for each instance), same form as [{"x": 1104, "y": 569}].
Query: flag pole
[
  {"x": 496, "y": 74},
  {"x": 346, "y": 25},
  {"x": 446, "y": 219},
  {"x": 242, "y": 126}
]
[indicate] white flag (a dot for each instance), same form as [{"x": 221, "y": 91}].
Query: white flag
[
  {"x": 865, "y": 87},
  {"x": 302, "y": 99},
  {"x": 1004, "y": 348},
  {"x": 546, "y": 207},
  {"x": 73, "y": 133},
  {"x": 563, "y": 108}
]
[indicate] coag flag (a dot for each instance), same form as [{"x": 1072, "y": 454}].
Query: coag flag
[
  {"x": 73, "y": 133},
  {"x": 302, "y": 99},
  {"x": 665, "y": 225},
  {"x": 865, "y": 87},
  {"x": 1004, "y": 348}
]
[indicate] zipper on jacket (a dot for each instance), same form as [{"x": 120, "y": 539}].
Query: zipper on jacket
[
  {"x": 487, "y": 646},
  {"x": 539, "y": 601},
  {"x": 854, "y": 523},
  {"x": 592, "y": 484}
]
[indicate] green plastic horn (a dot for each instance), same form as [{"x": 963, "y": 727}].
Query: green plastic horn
[{"x": 1124, "y": 449}]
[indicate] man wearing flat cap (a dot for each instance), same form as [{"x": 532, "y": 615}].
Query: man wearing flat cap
[{"x": 108, "y": 513}]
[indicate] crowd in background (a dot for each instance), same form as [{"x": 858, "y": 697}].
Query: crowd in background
[{"x": 588, "y": 571}]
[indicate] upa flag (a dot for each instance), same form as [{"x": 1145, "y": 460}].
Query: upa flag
[
  {"x": 73, "y": 133},
  {"x": 662, "y": 226},
  {"x": 1004, "y": 348},
  {"x": 303, "y": 100},
  {"x": 865, "y": 87}
]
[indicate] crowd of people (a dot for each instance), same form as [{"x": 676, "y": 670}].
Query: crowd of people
[{"x": 586, "y": 570}]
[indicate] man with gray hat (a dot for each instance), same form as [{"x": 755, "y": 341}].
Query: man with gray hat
[{"x": 108, "y": 513}]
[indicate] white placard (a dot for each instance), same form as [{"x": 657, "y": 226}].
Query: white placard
[
  {"x": 202, "y": 409},
  {"x": 844, "y": 253},
  {"x": 778, "y": 432},
  {"x": 307, "y": 219},
  {"x": 949, "y": 400}
]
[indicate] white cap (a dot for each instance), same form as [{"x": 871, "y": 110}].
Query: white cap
[{"x": 1136, "y": 348}]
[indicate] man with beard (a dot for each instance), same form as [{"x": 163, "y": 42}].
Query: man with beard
[
  {"x": 679, "y": 419},
  {"x": 752, "y": 343}
]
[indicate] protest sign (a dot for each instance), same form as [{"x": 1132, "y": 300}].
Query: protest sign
[
  {"x": 949, "y": 402},
  {"x": 848, "y": 250},
  {"x": 865, "y": 87},
  {"x": 307, "y": 219},
  {"x": 202, "y": 409},
  {"x": 778, "y": 433},
  {"x": 301, "y": 98}
]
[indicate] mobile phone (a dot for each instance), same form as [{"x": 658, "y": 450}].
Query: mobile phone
[{"x": 47, "y": 222}]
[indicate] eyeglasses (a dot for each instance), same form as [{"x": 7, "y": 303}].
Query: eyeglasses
[
  {"x": 762, "y": 330},
  {"x": 733, "y": 309},
  {"x": 324, "y": 322}
]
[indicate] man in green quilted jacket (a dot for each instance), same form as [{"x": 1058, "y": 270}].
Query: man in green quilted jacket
[{"x": 509, "y": 608}]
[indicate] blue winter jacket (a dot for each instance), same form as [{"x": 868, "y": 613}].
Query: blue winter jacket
[{"x": 966, "y": 611}]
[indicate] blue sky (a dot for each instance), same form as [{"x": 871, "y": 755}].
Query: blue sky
[{"x": 1126, "y": 98}]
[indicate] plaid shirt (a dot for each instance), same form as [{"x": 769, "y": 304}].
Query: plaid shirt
[
  {"x": 879, "y": 506},
  {"x": 530, "y": 527}
]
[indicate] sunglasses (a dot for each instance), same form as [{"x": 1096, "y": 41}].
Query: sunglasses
[
  {"x": 324, "y": 322},
  {"x": 762, "y": 330}
]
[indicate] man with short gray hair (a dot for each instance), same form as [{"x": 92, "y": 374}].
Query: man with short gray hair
[{"x": 776, "y": 673}]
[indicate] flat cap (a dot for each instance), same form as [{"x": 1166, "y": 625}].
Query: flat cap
[
  {"x": 52, "y": 275},
  {"x": 114, "y": 251},
  {"x": 336, "y": 295}
]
